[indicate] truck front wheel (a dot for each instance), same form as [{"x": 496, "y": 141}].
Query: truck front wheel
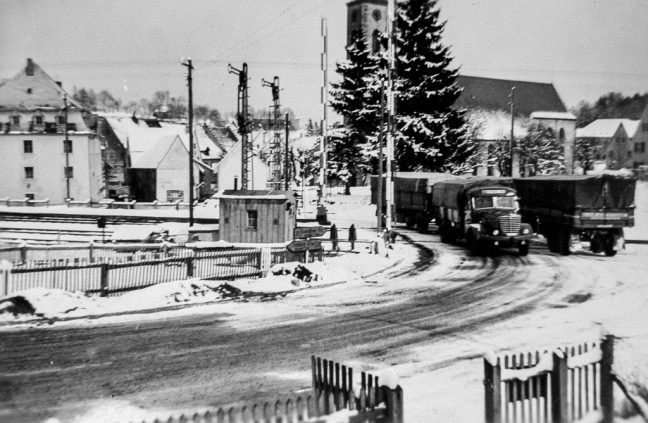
[{"x": 564, "y": 241}]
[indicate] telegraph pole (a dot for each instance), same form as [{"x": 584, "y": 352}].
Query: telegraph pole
[
  {"x": 189, "y": 66},
  {"x": 379, "y": 198},
  {"x": 511, "y": 142},
  {"x": 286, "y": 162},
  {"x": 389, "y": 186},
  {"x": 243, "y": 120},
  {"x": 276, "y": 143},
  {"x": 324, "y": 101},
  {"x": 66, "y": 148}
]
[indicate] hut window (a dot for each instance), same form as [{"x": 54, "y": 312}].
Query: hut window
[{"x": 252, "y": 219}]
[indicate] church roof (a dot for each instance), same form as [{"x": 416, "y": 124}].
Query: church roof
[
  {"x": 33, "y": 89},
  {"x": 493, "y": 94}
]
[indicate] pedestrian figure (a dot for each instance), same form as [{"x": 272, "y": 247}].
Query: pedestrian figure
[
  {"x": 352, "y": 236},
  {"x": 385, "y": 237},
  {"x": 334, "y": 238}
]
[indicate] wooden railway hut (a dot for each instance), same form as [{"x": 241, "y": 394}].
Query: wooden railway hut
[{"x": 257, "y": 216}]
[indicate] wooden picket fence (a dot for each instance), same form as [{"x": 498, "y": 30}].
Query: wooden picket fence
[
  {"x": 116, "y": 276},
  {"x": 560, "y": 385},
  {"x": 333, "y": 390}
]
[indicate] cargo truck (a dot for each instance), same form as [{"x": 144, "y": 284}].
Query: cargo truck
[
  {"x": 482, "y": 211},
  {"x": 568, "y": 209}
]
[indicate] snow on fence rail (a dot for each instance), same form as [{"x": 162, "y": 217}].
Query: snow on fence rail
[
  {"x": 562, "y": 385},
  {"x": 117, "y": 276},
  {"x": 332, "y": 392}
]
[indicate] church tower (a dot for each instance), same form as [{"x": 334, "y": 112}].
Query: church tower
[{"x": 368, "y": 17}]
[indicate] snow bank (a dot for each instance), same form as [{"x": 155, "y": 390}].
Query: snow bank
[{"x": 59, "y": 304}]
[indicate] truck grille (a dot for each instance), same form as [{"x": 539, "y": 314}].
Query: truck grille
[{"x": 510, "y": 224}]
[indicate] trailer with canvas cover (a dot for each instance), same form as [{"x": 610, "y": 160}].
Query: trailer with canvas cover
[
  {"x": 588, "y": 208},
  {"x": 412, "y": 196},
  {"x": 482, "y": 211}
]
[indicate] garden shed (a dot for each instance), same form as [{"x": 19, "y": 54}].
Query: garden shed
[{"x": 257, "y": 216}]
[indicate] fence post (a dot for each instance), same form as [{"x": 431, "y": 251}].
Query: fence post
[
  {"x": 104, "y": 279},
  {"x": 316, "y": 386},
  {"x": 91, "y": 252},
  {"x": 394, "y": 403},
  {"x": 190, "y": 267},
  {"x": 5, "y": 274},
  {"x": 492, "y": 390},
  {"x": 607, "y": 391},
  {"x": 559, "y": 376},
  {"x": 23, "y": 251}
]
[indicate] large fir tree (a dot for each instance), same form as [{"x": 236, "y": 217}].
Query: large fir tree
[
  {"x": 431, "y": 133},
  {"x": 356, "y": 100}
]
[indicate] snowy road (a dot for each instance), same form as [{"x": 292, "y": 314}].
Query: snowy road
[{"x": 260, "y": 350}]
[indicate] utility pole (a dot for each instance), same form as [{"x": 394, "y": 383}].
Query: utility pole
[
  {"x": 287, "y": 162},
  {"x": 324, "y": 101},
  {"x": 275, "y": 149},
  {"x": 243, "y": 121},
  {"x": 511, "y": 141},
  {"x": 189, "y": 66},
  {"x": 389, "y": 186},
  {"x": 381, "y": 134},
  {"x": 66, "y": 147}
]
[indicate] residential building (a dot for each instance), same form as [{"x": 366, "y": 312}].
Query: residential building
[
  {"x": 228, "y": 171},
  {"x": 640, "y": 141},
  {"x": 153, "y": 156},
  {"x": 36, "y": 161},
  {"x": 488, "y": 104},
  {"x": 612, "y": 141}
]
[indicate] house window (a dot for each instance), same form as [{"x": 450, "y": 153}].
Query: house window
[
  {"x": 629, "y": 154},
  {"x": 38, "y": 120},
  {"x": 30, "y": 196},
  {"x": 29, "y": 90},
  {"x": 640, "y": 147},
  {"x": 28, "y": 146},
  {"x": 644, "y": 126},
  {"x": 67, "y": 146},
  {"x": 60, "y": 120},
  {"x": 252, "y": 219},
  {"x": 15, "y": 120},
  {"x": 68, "y": 172},
  {"x": 29, "y": 172},
  {"x": 375, "y": 41}
]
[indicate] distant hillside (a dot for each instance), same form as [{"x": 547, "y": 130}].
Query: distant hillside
[{"x": 610, "y": 106}]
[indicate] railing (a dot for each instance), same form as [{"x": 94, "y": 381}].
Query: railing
[
  {"x": 562, "y": 385},
  {"x": 106, "y": 204},
  {"x": 109, "y": 276}
]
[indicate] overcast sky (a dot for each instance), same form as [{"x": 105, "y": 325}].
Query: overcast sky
[{"x": 132, "y": 48}]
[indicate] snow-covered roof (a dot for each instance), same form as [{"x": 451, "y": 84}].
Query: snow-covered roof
[
  {"x": 256, "y": 194},
  {"x": 154, "y": 152},
  {"x": 496, "y": 125},
  {"x": 305, "y": 143},
  {"x": 553, "y": 115},
  {"x": 32, "y": 89},
  {"x": 606, "y": 128},
  {"x": 138, "y": 134}
]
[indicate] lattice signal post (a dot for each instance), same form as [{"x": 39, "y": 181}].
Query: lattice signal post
[
  {"x": 243, "y": 118},
  {"x": 275, "y": 147}
]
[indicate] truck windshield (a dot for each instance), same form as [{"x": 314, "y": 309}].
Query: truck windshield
[{"x": 494, "y": 202}]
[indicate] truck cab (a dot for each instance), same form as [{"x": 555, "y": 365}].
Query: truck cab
[{"x": 483, "y": 212}]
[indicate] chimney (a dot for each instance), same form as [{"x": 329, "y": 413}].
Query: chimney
[{"x": 29, "y": 70}]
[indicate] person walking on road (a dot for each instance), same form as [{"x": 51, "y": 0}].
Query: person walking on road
[
  {"x": 334, "y": 238},
  {"x": 352, "y": 236}
]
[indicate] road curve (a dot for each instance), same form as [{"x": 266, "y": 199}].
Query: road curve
[{"x": 194, "y": 362}]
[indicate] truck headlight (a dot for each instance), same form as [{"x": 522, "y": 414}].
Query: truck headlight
[
  {"x": 525, "y": 231},
  {"x": 496, "y": 232}
]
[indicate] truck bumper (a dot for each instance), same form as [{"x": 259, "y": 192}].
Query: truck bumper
[{"x": 508, "y": 241}]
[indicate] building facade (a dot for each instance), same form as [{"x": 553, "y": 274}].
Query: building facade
[
  {"x": 36, "y": 161},
  {"x": 640, "y": 141},
  {"x": 612, "y": 141},
  {"x": 369, "y": 18}
]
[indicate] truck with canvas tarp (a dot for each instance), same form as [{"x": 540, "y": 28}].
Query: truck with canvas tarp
[
  {"x": 412, "y": 196},
  {"x": 483, "y": 211},
  {"x": 569, "y": 209}
]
